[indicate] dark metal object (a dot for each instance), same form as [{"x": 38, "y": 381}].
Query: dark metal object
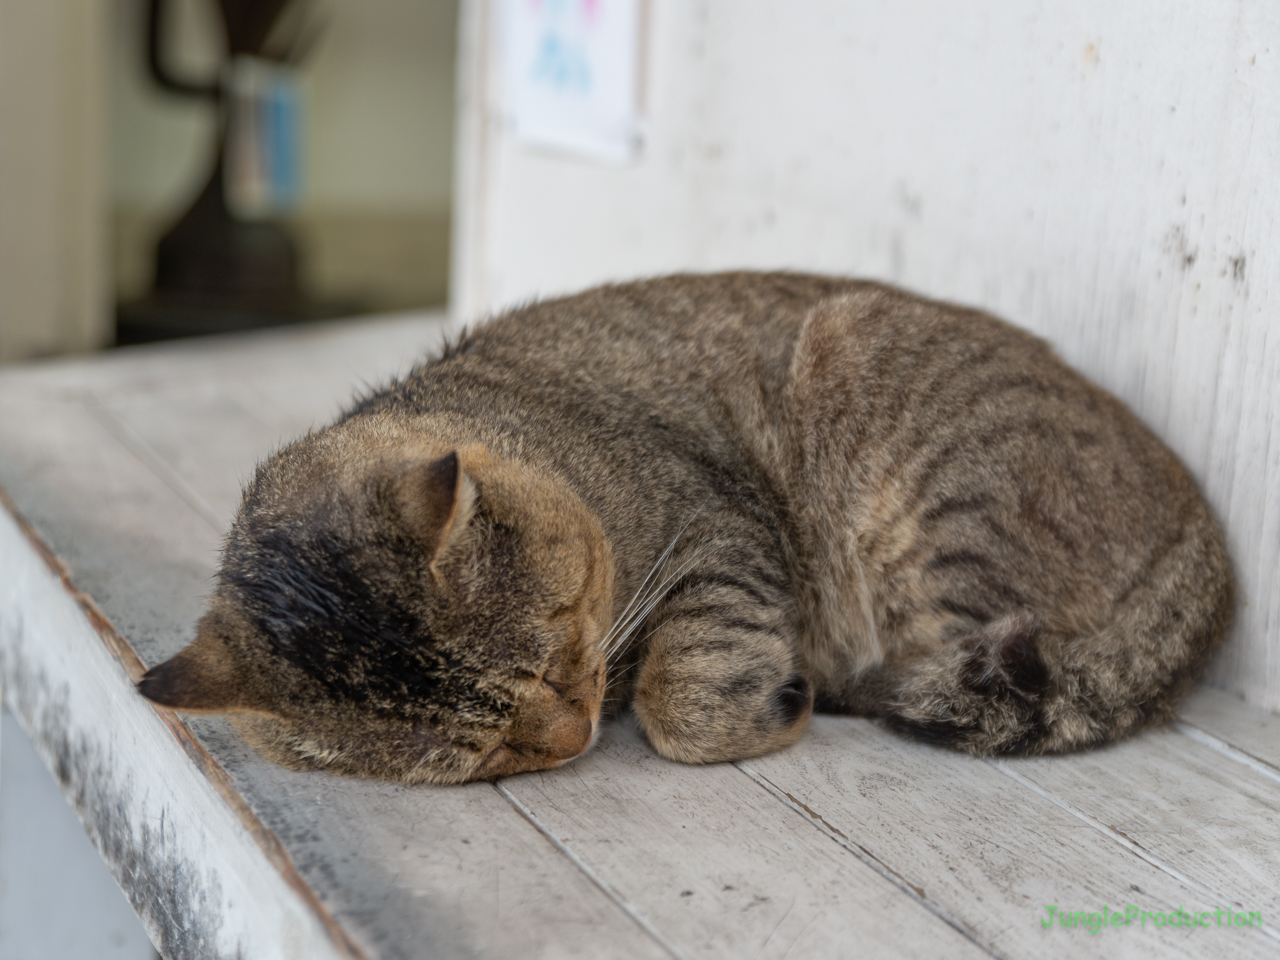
[{"x": 215, "y": 272}]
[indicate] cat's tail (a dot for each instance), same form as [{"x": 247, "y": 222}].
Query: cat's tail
[{"x": 1022, "y": 684}]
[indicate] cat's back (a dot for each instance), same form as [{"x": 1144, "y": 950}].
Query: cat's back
[
  {"x": 979, "y": 474},
  {"x": 701, "y": 325},
  {"x": 671, "y": 363}
]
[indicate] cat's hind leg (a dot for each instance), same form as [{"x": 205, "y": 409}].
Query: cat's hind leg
[
  {"x": 984, "y": 692},
  {"x": 1015, "y": 685}
]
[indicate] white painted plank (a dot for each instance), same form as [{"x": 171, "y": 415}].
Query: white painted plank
[
  {"x": 1204, "y": 815},
  {"x": 213, "y": 424},
  {"x": 391, "y": 863},
  {"x": 197, "y": 875},
  {"x": 1235, "y": 723},
  {"x": 129, "y": 542},
  {"x": 986, "y": 850},
  {"x": 429, "y": 871},
  {"x": 719, "y": 865},
  {"x": 237, "y": 423}
]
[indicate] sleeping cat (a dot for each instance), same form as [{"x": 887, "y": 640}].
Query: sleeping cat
[{"x": 722, "y": 499}]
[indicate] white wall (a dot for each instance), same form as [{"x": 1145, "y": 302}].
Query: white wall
[{"x": 1103, "y": 173}]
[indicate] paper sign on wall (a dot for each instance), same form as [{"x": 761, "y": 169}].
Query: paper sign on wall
[{"x": 571, "y": 74}]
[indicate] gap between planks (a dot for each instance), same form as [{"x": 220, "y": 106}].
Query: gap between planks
[
  {"x": 130, "y": 440},
  {"x": 898, "y": 880},
  {"x": 1256, "y": 764},
  {"x": 1119, "y": 838},
  {"x": 603, "y": 885},
  {"x": 868, "y": 858}
]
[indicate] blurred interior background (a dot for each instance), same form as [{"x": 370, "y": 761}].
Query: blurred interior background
[{"x": 98, "y": 162}]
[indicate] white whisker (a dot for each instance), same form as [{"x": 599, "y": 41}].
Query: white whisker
[
  {"x": 625, "y": 626},
  {"x": 640, "y": 589},
  {"x": 607, "y": 641},
  {"x": 656, "y": 596},
  {"x": 619, "y": 669}
]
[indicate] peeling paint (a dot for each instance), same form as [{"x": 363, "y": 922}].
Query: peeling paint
[
  {"x": 180, "y": 897},
  {"x": 177, "y": 900}
]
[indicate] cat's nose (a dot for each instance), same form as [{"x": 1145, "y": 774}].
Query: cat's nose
[
  {"x": 568, "y": 736},
  {"x": 555, "y": 736}
]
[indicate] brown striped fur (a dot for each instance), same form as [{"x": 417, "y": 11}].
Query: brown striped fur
[{"x": 844, "y": 494}]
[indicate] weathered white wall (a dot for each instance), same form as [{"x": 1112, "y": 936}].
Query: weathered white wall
[{"x": 1103, "y": 173}]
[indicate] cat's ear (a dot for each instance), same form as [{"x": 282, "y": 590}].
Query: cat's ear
[
  {"x": 437, "y": 500},
  {"x": 203, "y": 677}
]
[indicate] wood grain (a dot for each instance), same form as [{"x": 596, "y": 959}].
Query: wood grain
[
  {"x": 986, "y": 851},
  {"x": 1206, "y": 817},
  {"x": 719, "y": 865},
  {"x": 1255, "y": 733},
  {"x": 853, "y": 842}
]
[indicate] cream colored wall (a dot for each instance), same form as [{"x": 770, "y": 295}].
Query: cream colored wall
[
  {"x": 378, "y": 129},
  {"x": 380, "y": 132},
  {"x": 1102, "y": 173},
  {"x": 53, "y": 194},
  {"x": 160, "y": 143}
]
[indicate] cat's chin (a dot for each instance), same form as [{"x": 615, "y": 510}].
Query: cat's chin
[
  {"x": 508, "y": 759},
  {"x": 274, "y": 741},
  {"x": 282, "y": 743}
]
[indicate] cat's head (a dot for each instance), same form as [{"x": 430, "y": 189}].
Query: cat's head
[{"x": 406, "y": 610}]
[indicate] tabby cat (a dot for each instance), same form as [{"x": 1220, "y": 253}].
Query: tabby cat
[{"x": 726, "y": 500}]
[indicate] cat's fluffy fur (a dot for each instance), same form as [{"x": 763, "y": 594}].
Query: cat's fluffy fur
[{"x": 885, "y": 504}]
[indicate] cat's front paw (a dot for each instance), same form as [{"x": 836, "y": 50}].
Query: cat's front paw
[{"x": 695, "y": 718}]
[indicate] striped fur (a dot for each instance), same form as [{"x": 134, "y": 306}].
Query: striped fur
[{"x": 788, "y": 489}]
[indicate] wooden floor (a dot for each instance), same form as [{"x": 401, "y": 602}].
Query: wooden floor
[{"x": 124, "y": 470}]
